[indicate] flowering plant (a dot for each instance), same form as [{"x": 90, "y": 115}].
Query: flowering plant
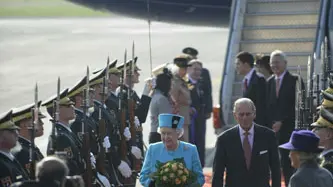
[{"x": 174, "y": 174}]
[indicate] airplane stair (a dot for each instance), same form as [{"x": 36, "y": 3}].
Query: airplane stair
[{"x": 267, "y": 25}]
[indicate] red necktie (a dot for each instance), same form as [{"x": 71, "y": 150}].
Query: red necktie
[
  {"x": 247, "y": 149},
  {"x": 277, "y": 88},
  {"x": 245, "y": 84}
]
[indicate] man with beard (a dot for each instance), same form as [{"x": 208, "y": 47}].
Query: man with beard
[
  {"x": 22, "y": 117},
  {"x": 11, "y": 170}
]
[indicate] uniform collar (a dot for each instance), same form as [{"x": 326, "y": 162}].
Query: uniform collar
[
  {"x": 8, "y": 155},
  {"x": 325, "y": 152},
  {"x": 64, "y": 126}
]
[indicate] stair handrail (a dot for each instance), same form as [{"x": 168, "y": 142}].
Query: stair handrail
[{"x": 228, "y": 64}]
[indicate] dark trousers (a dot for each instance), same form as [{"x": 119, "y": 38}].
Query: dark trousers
[
  {"x": 287, "y": 169},
  {"x": 198, "y": 137}
]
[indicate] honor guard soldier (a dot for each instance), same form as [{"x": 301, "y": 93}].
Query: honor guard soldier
[
  {"x": 107, "y": 120},
  {"x": 112, "y": 103},
  {"x": 76, "y": 95},
  {"x": 11, "y": 170},
  {"x": 323, "y": 127},
  {"x": 23, "y": 118},
  {"x": 65, "y": 141},
  {"x": 141, "y": 104}
]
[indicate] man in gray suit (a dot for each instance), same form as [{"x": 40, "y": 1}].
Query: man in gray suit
[{"x": 304, "y": 152}]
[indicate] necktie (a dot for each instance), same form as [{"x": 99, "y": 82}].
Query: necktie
[
  {"x": 245, "y": 84},
  {"x": 247, "y": 149},
  {"x": 277, "y": 88}
]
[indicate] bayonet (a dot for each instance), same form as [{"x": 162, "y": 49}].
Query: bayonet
[{"x": 34, "y": 123}]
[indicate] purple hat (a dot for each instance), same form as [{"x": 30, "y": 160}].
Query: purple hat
[{"x": 304, "y": 141}]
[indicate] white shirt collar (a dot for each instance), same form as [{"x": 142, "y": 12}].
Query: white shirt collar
[
  {"x": 25, "y": 139},
  {"x": 248, "y": 76},
  {"x": 326, "y": 152},
  {"x": 65, "y": 126},
  {"x": 9, "y": 155},
  {"x": 281, "y": 76},
  {"x": 192, "y": 80},
  {"x": 250, "y": 136}
]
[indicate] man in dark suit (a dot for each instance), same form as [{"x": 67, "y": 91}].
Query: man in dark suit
[
  {"x": 253, "y": 84},
  {"x": 252, "y": 157},
  {"x": 281, "y": 105},
  {"x": 206, "y": 83}
]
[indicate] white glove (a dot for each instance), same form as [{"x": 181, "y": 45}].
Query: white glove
[
  {"x": 127, "y": 134},
  {"x": 136, "y": 152},
  {"x": 124, "y": 169},
  {"x": 153, "y": 83},
  {"x": 104, "y": 180},
  {"x": 136, "y": 121},
  {"x": 92, "y": 160},
  {"x": 106, "y": 143}
]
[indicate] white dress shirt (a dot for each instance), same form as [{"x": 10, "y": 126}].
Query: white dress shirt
[{"x": 250, "y": 136}]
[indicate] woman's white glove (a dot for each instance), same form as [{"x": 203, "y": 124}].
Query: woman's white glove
[
  {"x": 104, "y": 180},
  {"x": 124, "y": 169},
  {"x": 127, "y": 134},
  {"x": 136, "y": 152},
  {"x": 106, "y": 143},
  {"x": 92, "y": 160},
  {"x": 137, "y": 122}
]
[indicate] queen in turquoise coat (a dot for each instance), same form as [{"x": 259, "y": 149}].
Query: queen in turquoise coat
[{"x": 171, "y": 128}]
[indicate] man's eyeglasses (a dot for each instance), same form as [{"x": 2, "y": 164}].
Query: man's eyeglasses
[{"x": 242, "y": 114}]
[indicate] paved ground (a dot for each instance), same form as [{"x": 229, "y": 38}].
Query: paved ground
[{"x": 40, "y": 50}]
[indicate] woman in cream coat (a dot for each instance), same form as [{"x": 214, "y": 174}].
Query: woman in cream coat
[{"x": 180, "y": 92}]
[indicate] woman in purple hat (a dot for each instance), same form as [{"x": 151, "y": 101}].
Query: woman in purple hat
[{"x": 304, "y": 152}]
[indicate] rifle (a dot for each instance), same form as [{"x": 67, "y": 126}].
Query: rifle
[
  {"x": 55, "y": 120},
  {"x": 34, "y": 123},
  {"x": 300, "y": 102},
  {"x": 122, "y": 109},
  {"x": 102, "y": 128},
  {"x": 87, "y": 176},
  {"x": 137, "y": 164}
]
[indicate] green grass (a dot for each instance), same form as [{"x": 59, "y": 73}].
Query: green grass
[{"x": 46, "y": 8}]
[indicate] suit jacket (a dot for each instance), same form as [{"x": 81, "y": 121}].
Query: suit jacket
[
  {"x": 282, "y": 108},
  {"x": 310, "y": 175},
  {"x": 230, "y": 158},
  {"x": 207, "y": 90},
  {"x": 256, "y": 91},
  {"x": 159, "y": 104}
]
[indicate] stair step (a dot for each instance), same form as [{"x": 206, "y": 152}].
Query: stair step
[
  {"x": 280, "y": 32},
  {"x": 264, "y": 1},
  {"x": 286, "y": 45},
  {"x": 265, "y": 19},
  {"x": 286, "y": 6}
]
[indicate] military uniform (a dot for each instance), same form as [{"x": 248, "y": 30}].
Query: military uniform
[
  {"x": 23, "y": 154},
  {"x": 327, "y": 160},
  {"x": 141, "y": 105},
  {"x": 11, "y": 170},
  {"x": 66, "y": 141}
]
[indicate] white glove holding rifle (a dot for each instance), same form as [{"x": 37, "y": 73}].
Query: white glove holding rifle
[
  {"x": 106, "y": 143},
  {"x": 136, "y": 152},
  {"x": 124, "y": 169},
  {"x": 127, "y": 134}
]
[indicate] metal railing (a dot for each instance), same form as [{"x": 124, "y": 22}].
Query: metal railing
[{"x": 227, "y": 80}]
